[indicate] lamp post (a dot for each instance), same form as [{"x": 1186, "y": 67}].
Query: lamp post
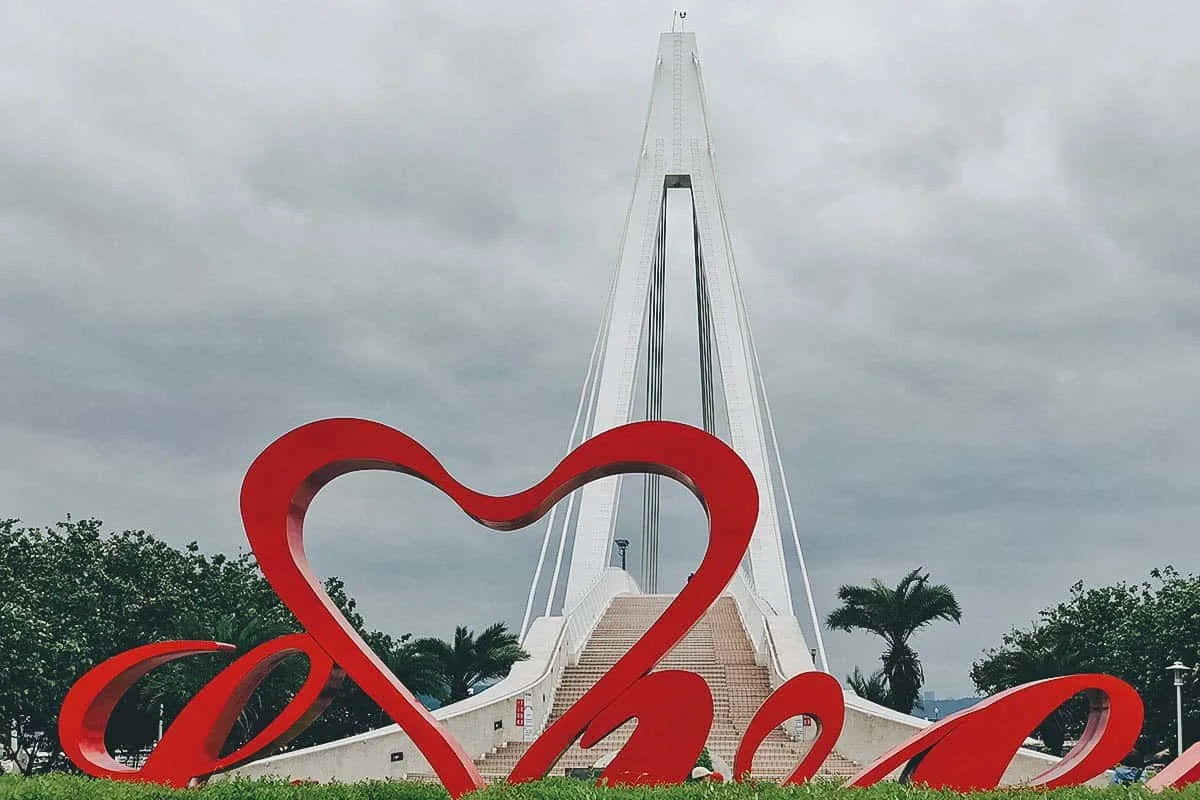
[
  {"x": 1178, "y": 669},
  {"x": 621, "y": 545}
]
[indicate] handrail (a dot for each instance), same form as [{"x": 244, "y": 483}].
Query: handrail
[
  {"x": 586, "y": 613},
  {"x": 753, "y": 610},
  {"x": 773, "y": 658}
]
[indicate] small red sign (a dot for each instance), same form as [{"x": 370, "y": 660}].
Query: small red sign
[{"x": 520, "y": 712}]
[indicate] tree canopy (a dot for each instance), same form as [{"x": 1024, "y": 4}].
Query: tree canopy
[
  {"x": 471, "y": 659},
  {"x": 894, "y": 614},
  {"x": 1131, "y": 631},
  {"x": 72, "y": 596}
]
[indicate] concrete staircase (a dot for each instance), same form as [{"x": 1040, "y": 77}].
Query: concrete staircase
[{"x": 718, "y": 650}]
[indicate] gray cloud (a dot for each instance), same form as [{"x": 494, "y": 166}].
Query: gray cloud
[{"x": 964, "y": 232}]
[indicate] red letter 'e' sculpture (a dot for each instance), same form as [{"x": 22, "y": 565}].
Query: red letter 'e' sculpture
[{"x": 971, "y": 749}]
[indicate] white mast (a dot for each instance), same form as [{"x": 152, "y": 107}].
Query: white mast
[{"x": 676, "y": 155}]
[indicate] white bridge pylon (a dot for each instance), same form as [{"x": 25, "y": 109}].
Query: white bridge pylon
[{"x": 676, "y": 154}]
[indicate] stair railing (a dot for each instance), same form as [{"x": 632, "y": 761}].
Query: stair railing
[
  {"x": 754, "y": 611},
  {"x": 585, "y": 614}
]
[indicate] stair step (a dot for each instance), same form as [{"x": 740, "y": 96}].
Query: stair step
[{"x": 718, "y": 649}]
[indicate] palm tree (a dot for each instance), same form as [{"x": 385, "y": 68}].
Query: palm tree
[
  {"x": 874, "y": 688},
  {"x": 896, "y": 614},
  {"x": 471, "y": 659}
]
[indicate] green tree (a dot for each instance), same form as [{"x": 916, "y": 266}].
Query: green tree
[
  {"x": 1028, "y": 656},
  {"x": 72, "y": 596},
  {"x": 470, "y": 659},
  {"x": 1131, "y": 631},
  {"x": 874, "y": 688},
  {"x": 895, "y": 614}
]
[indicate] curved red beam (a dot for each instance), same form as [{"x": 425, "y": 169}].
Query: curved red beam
[
  {"x": 192, "y": 745},
  {"x": 283, "y": 480},
  {"x": 813, "y": 694},
  {"x": 190, "y": 749},
  {"x": 971, "y": 749},
  {"x": 674, "y": 712},
  {"x": 1179, "y": 773},
  {"x": 89, "y": 704}
]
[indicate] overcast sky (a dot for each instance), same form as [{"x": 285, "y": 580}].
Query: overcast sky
[{"x": 967, "y": 234}]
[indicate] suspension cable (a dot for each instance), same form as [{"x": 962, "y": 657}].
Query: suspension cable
[
  {"x": 741, "y": 308},
  {"x": 704, "y": 329},
  {"x": 562, "y": 542},
  {"x": 583, "y": 413},
  {"x": 651, "y": 486},
  {"x": 537, "y": 573},
  {"x": 770, "y": 420}
]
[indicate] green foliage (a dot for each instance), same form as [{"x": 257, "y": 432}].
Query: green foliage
[
  {"x": 1031, "y": 656},
  {"x": 704, "y": 759},
  {"x": 895, "y": 614},
  {"x": 1132, "y": 631},
  {"x": 74, "y": 596},
  {"x": 470, "y": 659},
  {"x": 62, "y": 787},
  {"x": 873, "y": 688}
]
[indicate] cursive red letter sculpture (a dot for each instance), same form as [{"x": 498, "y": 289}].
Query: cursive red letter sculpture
[
  {"x": 971, "y": 749},
  {"x": 190, "y": 749},
  {"x": 814, "y": 694},
  {"x": 673, "y": 708},
  {"x": 282, "y": 482}
]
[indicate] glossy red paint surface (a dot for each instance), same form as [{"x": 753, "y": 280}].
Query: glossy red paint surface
[
  {"x": 813, "y": 694},
  {"x": 1180, "y": 772},
  {"x": 673, "y": 708},
  {"x": 190, "y": 749},
  {"x": 971, "y": 749}
]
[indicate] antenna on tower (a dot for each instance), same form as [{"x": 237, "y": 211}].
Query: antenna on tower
[{"x": 677, "y": 18}]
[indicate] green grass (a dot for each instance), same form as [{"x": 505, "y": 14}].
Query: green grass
[{"x": 70, "y": 787}]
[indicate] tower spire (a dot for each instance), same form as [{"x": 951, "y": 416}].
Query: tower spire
[{"x": 676, "y": 155}]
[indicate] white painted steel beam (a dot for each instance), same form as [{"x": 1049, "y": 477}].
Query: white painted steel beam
[{"x": 676, "y": 143}]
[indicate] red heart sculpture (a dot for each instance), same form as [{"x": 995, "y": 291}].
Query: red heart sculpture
[{"x": 283, "y": 480}]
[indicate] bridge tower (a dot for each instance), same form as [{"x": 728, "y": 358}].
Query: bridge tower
[{"x": 676, "y": 155}]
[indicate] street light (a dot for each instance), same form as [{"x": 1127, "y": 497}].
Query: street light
[
  {"x": 1178, "y": 669},
  {"x": 621, "y": 545}
]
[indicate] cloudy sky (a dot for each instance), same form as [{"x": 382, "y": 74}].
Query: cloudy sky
[{"x": 963, "y": 231}]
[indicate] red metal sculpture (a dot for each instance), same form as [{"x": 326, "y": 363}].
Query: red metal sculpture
[
  {"x": 673, "y": 708},
  {"x": 1180, "y": 772},
  {"x": 276, "y": 493},
  {"x": 190, "y": 749},
  {"x": 813, "y": 694},
  {"x": 674, "y": 711},
  {"x": 971, "y": 749}
]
